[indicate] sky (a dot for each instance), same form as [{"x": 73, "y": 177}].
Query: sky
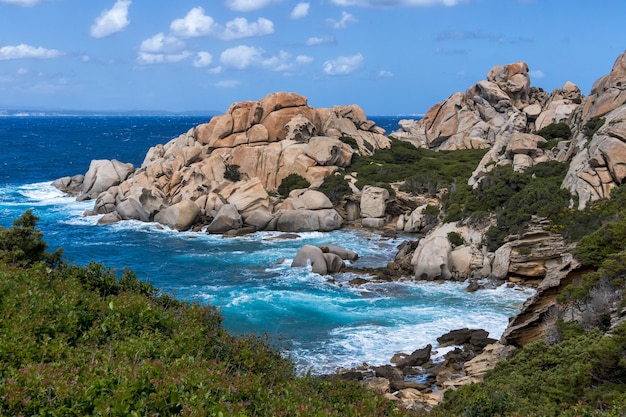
[{"x": 391, "y": 57}]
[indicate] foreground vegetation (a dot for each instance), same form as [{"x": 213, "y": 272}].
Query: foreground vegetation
[{"x": 78, "y": 341}]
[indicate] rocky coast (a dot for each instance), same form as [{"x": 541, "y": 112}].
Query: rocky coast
[{"x": 223, "y": 177}]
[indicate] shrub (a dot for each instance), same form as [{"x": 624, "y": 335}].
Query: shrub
[
  {"x": 292, "y": 182},
  {"x": 335, "y": 187},
  {"x": 456, "y": 239},
  {"x": 593, "y": 125},
  {"x": 555, "y": 131},
  {"x": 23, "y": 244},
  {"x": 350, "y": 141},
  {"x": 232, "y": 173}
]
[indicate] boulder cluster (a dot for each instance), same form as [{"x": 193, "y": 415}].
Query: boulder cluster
[{"x": 223, "y": 174}]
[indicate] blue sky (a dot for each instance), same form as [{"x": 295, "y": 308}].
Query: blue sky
[{"x": 389, "y": 56}]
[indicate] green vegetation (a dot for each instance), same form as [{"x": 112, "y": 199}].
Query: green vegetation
[
  {"x": 292, "y": 182},
  {"x": 23, "y": 244},
  {"x": 555, "y": 131},
  {"x": 335, "y": 187},
  {"x": 584, "y": 375},
  {"x": 513, "y": 197},
  {"x": 455, "y": 238},
  {"x": 78, "y": 341},
  {"x": 422, "y": 170},
  {"x": 593, "y": 125},
  {"x": 232, "y": 173}
]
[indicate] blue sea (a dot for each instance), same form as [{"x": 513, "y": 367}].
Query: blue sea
[{"x": 322, "y": 324}]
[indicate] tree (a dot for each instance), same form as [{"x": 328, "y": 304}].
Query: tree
[{"x": 23, "y": 244}]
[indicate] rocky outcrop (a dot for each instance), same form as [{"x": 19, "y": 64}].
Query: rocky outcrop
[
  {"x": 323, "y": 260},
  {"x": 373, "y": 206},
  {"x": 236, "y": 159}
]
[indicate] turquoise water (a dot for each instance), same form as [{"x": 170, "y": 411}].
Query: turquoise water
[{"x": 322, "y": 324}]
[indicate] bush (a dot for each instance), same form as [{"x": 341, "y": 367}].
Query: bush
[
  {"x": 335, "y": 187},
  {"x": 455, "y": 238},
  {"x": 593, "y": 125},
  {"x": 23, "y": 244},
  {"x": 555, "y": 131},
  {"x": 232, "y": 173},
  {"x": 292, "y": 182}
]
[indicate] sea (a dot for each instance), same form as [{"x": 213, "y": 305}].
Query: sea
[{"x": 323, "y": 323}]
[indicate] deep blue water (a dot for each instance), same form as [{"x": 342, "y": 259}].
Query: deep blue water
[{"x": 322, "y": 325}]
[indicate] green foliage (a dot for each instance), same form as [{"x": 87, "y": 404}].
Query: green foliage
[
  {"x": 350, "y": 141},
  {"x": 422, "y": 170},
  {"x": 232, "y": 173},
  {"x": 23, "y": 244},
  {"x": 608, "y": 240},
  {"x": 336, "y": 187},
  {"x": 455, "y": 238},
  {"x": 515, "y": 197},
  {"x": 586, "y": 369},
  {"x": 292, "y": 182},
  {"x": 593, "y": 125},
  {"x": 78, "y": 341},
  {"x": 555, "y": 131}
]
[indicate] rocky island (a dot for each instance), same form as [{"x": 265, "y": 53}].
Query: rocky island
[{"x": 225, "y": 177}]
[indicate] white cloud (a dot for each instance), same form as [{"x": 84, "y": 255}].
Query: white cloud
[
  {"x": 112, "y": 20},
  {"x": 194, "y": 24},
  {"x": 303, "y": 59},
  {"x": 161, "y": 43},
  {"x": 23, "y": 51},
  {"x": 346, "y": 18},
  {"x": 244, "y": 57},
  {"x": 537, "y": 74},
  {"x": 385, "y": 74},
  {"x": 239, "y": 28},
  {"x": 203, "y": 59},
  {"x": 343, "y": 65},
  {"x": 248, "y": 5},
  {"x": 148, "y": 58},
  {"x": 319, "y": 41},
  {"x": 396, "y": 3},
  {"x": 241, "y": 57},
  {"x": 227, "y": 84},
  {"x": 301, "y": 10}
]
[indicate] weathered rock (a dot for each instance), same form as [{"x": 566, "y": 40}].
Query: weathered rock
[
  {"x": 309, "y": 200},
  {"x": 102, "y": 175},
  {"x": 334, "y": 263},
  {"x": 373, "y": 223},
  {"x": 418, "y": 358},
  {"x": 343, "y": 253},
  {"x": 311, "y": 255},
  {"x": 180, "y": 216},
  {"x": 431, "y": 259},
  {"x": 374, "y": 201},
  {"x": 109, "y": 218},
  {"x": 70, "y": 185},
  {"x": 227, "y": 218}
]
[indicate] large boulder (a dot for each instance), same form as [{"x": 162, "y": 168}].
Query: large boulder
[
  {"x": 374, "y": 201},
  {"x": 227, "y": 218},
  {"x": 102, "y": 175},
  {"x": 311, "y": 255},
  {"x": 431, "y": 259},
  {"x": 180, "y": 216}
]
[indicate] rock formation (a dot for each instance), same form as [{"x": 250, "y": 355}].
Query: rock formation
[{"x": 235, "y": 160}]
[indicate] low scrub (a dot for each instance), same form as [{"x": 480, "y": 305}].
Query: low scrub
[{"x": 81, "y": 340}]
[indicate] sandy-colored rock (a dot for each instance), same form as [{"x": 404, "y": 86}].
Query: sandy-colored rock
[
  {"x": 313, "y": 256},
  {"x": 227, "y": 218},
  {"x": 180, "y": 216},
  {"x": 102, "y": 175},
  {"x": 374, "y": 201},
  {"x": 431, "y": 259}
]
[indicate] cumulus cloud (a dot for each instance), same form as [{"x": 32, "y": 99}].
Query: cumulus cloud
[
  {"x": 397, "y": 3},
  {"x": 203, "y": 59},
  {"x": 161, "y": 43},
  {"x": 23, "y": 51},
  {"x": 248, "y": 5},
  {"x": 301, "y": 10},
  {"x": 245, "y": 57},
  {"x": 346, "y": 18},
  {"x": 112, "y": 20},
  {"x": 239, "y": 28},
  {"x": 343, "y": 65},
  {"x": 194, "y": 24},
  {"x": 385, "y": 74},
  {"x": 304, "y": 59}
]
